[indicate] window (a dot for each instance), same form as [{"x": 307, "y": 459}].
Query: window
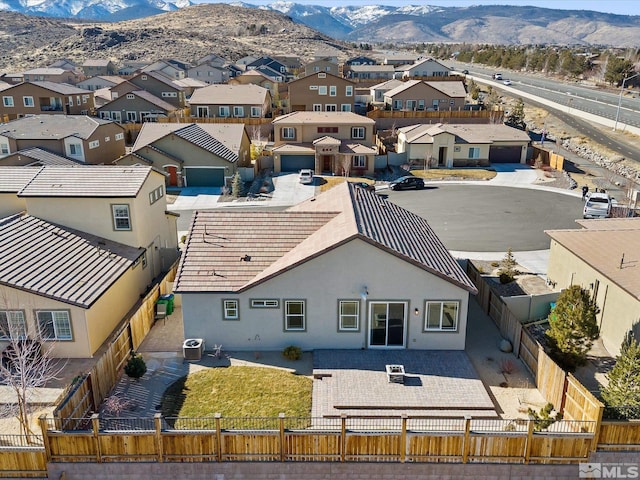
[
  {"x": 12, "y": 324},
  {"x": 119, "y": 136},
  {"x": 397, "y": 104},
  {"x": 223, "y": 111},
  {"x": 54, "y": 324},
  {"x": 327, "y": 129},
  {"x": 121, "y": 220},
  {"x": 132, "y": 116},
  {"x": 155, "y": 195},
  {"x": 169, "y": 94},
  {"x": 345, "y": 107},
  {"x": 84, "y": 98},
  {"x": 265, "y": 303},
  {"x": 107, "y": 139},
  {"x": 288, "y": 133},
  {"x": 4, "y": 148},
  {"x": 348, "y": 90},
  {"x": 441, "y": 316},
  {"x": 78, "y": 100},
  {"x": 238, "y": 111},
  {"x": 256, "y": 112},
  {"x": 94, "y": 144},
  {"x": 330, "y": 107},
  {"x": 294, "y": 315},
  {"x": 7, "y": 101},
  {"x": 75, "y": 149},
  {"x": 144, "y": 259},
  {"x": 333, "y": 91},
  {"x": 357, "y": 133},
  {"x": 474, "y": 152},
  {"x": 349, "y": 313},
  {"x": 313, "y": 87},
  {"x": 144, "y": 77},
  {"x": 230, "y": 310},
  {"x": 322, "y": 75},
  {"x": 322, "y": 90},
  {"x": 316, "y": 68},
  {"x": 28, "y": 101},
  {"x": 317, "y": 107},
  {"x": 70, "y": 101},
  {"x": 130, "y": 96},
  {"x": 359, "y": 161}
]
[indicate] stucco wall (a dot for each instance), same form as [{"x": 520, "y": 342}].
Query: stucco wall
[
  {"x": 11, "y": 204},
  {"x": 339, "y": 274}
]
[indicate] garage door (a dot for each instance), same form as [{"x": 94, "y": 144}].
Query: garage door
[
  {"x": 293, "y": 163},
  {"x": 205, "y": 177},
  {"x": 499, "y": 154}
]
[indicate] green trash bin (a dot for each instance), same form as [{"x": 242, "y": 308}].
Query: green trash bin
[{"x": 168, "y": 299}]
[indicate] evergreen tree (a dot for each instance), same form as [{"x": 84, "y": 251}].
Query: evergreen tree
[
  {"x": 236, "y": 185},
  {"x": 623, "y": 389},
  {"x": 617, "y": 70},
  {"x": 516, "y": 116},
  {"x": 508, "y": 271},
  {"x": 572, "y": 327}
]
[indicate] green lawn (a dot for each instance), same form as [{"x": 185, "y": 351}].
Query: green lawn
[{"x": 238, "y": 392}]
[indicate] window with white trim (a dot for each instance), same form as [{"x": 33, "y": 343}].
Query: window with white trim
[
  {"x": 359, "y": 161},
  {"x": 357, "y": 133},
  {"x": 265, "y": 303},
  {"x": 169, "y": 94},
  {"x": 130, "y": 96},
  {"x": 349, "y": 314},
  {"x": 317, "y": 107},
  {"x": 4, "y": 149},
  {"x": 345, "y": 107},
  {"x": 7, "y": 101},
  {"x": 28, "y": 101},
  {"x": 322, "y": 90},
  {"x": 333, "y": 91},
  {"x": 441, "y": 316},
  {"x": 288, "y": 133},
  {"x": 94, "y": 144},
  {"x": 474, "y": 152},
  {"x": 348, "y": 90},
  {"x": 256, "y": 112},
  {"x": 75, "y": 149},
  {"x": 107, "y": 139},
  {"x": 54, "y": 324},
  {"x": 119, "y": 136},
  {"x": 330, "y": 107},
  {"x": 223, "y": 111},
  {"x": 294, "y": 315},
  {"x": 12, "y": 324},
  {"x": 238, "y": 111},
  {"x": 121, "y": 218},
  {"x": 231, "y": 310}
]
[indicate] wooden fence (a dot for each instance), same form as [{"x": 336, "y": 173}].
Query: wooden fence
[
  {"x": 86, "y": 395},
  {"x": 21, "y": 462},
  {"x": 447, "y": 115},
  {"x": 619, "y": 436}
]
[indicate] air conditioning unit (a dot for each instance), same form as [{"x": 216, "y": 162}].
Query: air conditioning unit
[{"x": 192, "y": 348}]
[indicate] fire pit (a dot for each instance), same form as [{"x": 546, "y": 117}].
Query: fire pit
[{"x": 395, "y": 373}]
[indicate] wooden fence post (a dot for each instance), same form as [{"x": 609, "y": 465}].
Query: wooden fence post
[
  {"x": 282, "y": 454},
  {"x": 343, "y": 436},
  {"x": 218, "y": 437},
  {"x": 403, "y": 439},
  {"x": 95, "y": 423},
  {"x": 596, "y": 432},
  {"x": 45, "y": 436},
  {"x": 466, "y": 438},
  {"x": 157, "y": 420},
  {"x": 528, "y": 444}
]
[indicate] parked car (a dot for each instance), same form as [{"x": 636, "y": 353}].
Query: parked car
[
  {"x": 364, "y": 185},
  {"x": 406, "y": 182},
  {"x": 465, "y": 72},
  {"x": 306, "y": 176},
  {"x": 507, "y": 82},
  {"x": 598, "y": 205}
]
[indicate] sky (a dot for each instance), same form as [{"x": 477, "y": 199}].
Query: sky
[{"x": 620, "y": 7}]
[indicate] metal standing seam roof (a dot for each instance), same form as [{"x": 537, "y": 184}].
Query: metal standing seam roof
[
  {"x": 106, "y": 181},
  {"x": 196, "y": 135},
  {"x": 59, "y": 263},
  {"x": 278, "y": 241},
  {"x": 13, "y": 179}
]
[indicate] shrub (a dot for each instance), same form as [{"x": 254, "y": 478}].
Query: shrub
[
  {"x": 506, "y": 278},
  {"x": 135, "y": 367},
  {"x": 622, "y": 393},
  {"x": 545, "y": 418},
  {"x": 292, "y": 352}
]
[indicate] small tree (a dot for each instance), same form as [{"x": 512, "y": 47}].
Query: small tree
[
  {"x": 572, "y": 327},
  {"x": 135, "y": 367},
  {"x": 508, "y": 271},
  {"x": 516, "y": 116},
  {"x": 236, "y": 185},
  {"x": 545, "y": 418},
  {"x": 623, "y": 389}
]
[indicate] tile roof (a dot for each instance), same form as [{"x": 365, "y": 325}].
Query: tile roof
[
  {"x": 45, "y": 71},
  {"x": 278, "y": 241},
  {"x": 151, "y": 98},
  {"x": 13, "y": 179},
  {"x": 372, "y": 68},
  {"x": 196, "y": 135},
  {"x": 106, "y": 181},
  {"x": 96, "y": 62},
  {"x": 610, "y": 246},
  {"x": 401, "y": 88},
  {"x": 469, "y": 133},
  {"x": 388, "y": 85},
  {"x": 161, "y": 77},
  {"x": 63, "y": 88},
  {"x": 450, "y": 89},
  {"x": 223, "y": 94},
  {"x": 322, "y": 118},
  {"x": 60, "y": 263},
  {"x": 42, "y": 157},
  {"x": 47, "y": 127}
]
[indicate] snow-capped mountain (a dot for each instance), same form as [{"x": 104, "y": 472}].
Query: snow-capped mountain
[{"x": 92, "y": 9}]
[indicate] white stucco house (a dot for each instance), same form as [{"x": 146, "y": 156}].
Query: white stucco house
[{"x": 346, "y": 269}]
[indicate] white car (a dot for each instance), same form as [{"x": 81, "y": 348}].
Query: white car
[
  {"x": 598, "y": 205},
  {"x": 507, "y": 82},
  {"x": 306, "y": 176}
]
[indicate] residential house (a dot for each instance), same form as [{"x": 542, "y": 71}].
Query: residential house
[
  {"x": 323, "y": 65},
  {"x": 161, "y": 86},
  {"x": 602, "y": 257},
  {"x": 99, "y": 82},
  {"x": 12, "y": 78},
  {"x": 12, "y": 180},
  {"x": 360, "y": 60},
  {"x": 258, "y": 77},
  {"x": 209, "y": 73},
  {"x": 211, "y": 59},
  {"x": 418, "y": 95},
  {"x": 65, "y": 63},
  {"x": 35, "y": 98},
  {"x": 237, "y": 101},
  {"x": 190, "y": 85},
  {"x": 37, "y": 157},
  {"x": 55, "y": 75},
  {"x": 126, "y": 205},
  {"x": 378, "y": 91},
  {"x": 242, "y": 63},
  {"x": 317, "y": 276},
  {"x": 93, "y": 67},
  {"x": 292, "y": 62},
  {"x": 136, "y": 106},
  {"x": 85, "y": 139},
  {"x": 321, "y": 92},
  {"x": 426, "y": 67},
  {"x": 371, "y": 72},
  {"x": 131, "y": 68},
  {"x": 396, "y": 60},
  {"x": 328, "y": 142},
  {"x": 167, "y": 68},
  {"x": 194, "y": 155},
  {"x": 269, "y": 62},
  {"x": 462, "y": 145}
]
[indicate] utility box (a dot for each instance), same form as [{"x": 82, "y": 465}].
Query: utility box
[{"x": 192, "y": 348}]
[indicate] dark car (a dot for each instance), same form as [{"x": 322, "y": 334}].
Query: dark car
[
  {"x": 364, "y": 185},
  {"x": 403, "y": 183},
  {"x": 465, "y": 72}
]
